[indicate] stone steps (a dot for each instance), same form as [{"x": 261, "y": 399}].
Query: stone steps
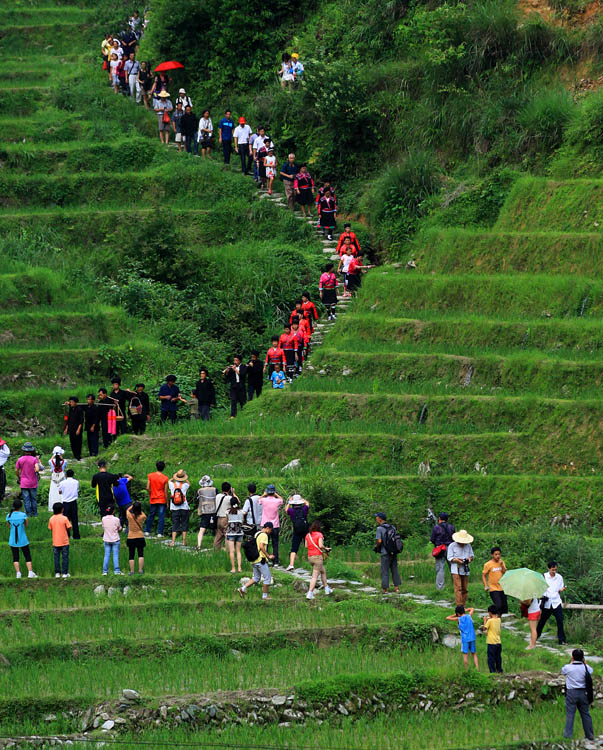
[{"x": 328, "y": 249}]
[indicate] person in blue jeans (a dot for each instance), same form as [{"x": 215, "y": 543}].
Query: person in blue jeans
[
  {"x": 226, "y": 128},
  {"x": 111, "y": 529},
  {"x": 467, "y": 631},
  {"x": 18, "y": 541}
]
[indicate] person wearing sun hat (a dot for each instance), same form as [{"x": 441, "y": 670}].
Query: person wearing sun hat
[
  {"x": 184, "y": 99},
  {"x": 4, "y": 454},
  {"x": 28, "y": 468},
  {"x": 162, "y": 105},
  {"x": 179, "y": 507},
  {"x": 297, "y": 510},
  {"x": 241, "y": 136},
  {"x": 460, "y": 555}
]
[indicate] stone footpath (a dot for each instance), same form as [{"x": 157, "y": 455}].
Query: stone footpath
[{"x": 329, "y": 249}]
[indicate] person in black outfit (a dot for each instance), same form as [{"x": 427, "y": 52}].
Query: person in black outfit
[
  {"x": 91, "y": 424},
  {"x": 441, "y": 535},
  {"x": 104, "y": 405},
  {"x": 205, "y": 393},
  {"x": 74, "y": 427},
  {"x": 140, "y": 402},
  {"x": 121, "y": 396},
  {"x": 235, "y": 375},
  {"x": 189, "y": 125},
  {"x": 255, "y": 375},
  {"x": 104, "y": 482}
]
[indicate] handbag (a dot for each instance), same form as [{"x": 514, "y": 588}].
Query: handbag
[
  {"x": 438, "y": 551},
  {"x": 135, "y": 409},
  {"x": 166, "y": 116}
]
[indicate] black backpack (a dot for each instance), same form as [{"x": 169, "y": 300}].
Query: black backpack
[
  {"x": 300, "y": 524},
  {"x": 251, "y": 549},
  {"x": 392, "y": 541}
]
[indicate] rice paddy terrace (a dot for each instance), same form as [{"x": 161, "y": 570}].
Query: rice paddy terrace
[{"x": 471, "y": 383}]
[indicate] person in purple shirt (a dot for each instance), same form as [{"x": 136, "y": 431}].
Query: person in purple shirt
[
  {"x": 271, "y": 501},
  {"x": 297, "y": 510}
]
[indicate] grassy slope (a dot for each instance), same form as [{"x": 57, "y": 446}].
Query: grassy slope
[{"x": 500, "y": 448}]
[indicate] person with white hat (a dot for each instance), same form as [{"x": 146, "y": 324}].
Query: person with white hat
[
  {"x": 179, "y": 507},
  {"x": 57, "y": 466},
  {"x": 163, "y": 106},
  {"x": 4, "y": 454},
  {"x": 460, "y": 555},
  {"x": 206, "y": 497},
  {"x": 184, "y": 99},
  {"x": 297, "y": 510}
]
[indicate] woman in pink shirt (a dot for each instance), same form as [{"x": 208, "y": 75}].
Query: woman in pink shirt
[
  {"x": 27, "y": 469},
  {"x": 111, "y": 529},
  {"x": 271, "y": 501}
]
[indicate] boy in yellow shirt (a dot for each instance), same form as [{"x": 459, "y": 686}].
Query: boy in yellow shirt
[
  {"x": 492, "y": 623},
  {"x": 492, "y": 572}
]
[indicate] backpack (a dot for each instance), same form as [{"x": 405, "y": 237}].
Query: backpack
[
  {"x": 178, "y": 496},
  {"x": 251, "y": 549},
  {"x": 300, "y": 524},
  {"x": 392, "y": 541}
]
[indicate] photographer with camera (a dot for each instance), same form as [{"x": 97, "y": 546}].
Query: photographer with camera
[{"x": 460, "y": 555}]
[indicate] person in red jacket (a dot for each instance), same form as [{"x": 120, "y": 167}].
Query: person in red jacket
[
  {"x": 327, "y": 287},
  {"x": 355, "y": 271},
  {"x": 297, "y": 312},
  {"x": 310, "y": 311},
  {"x": 274, "y": 354},
  {"x": 288, "y": 342},
  {"x": 347, "y": 234},
  {"x": 302, "y": 338}
]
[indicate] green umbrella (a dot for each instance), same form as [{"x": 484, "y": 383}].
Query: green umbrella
[{"x": 523, "y": 583}]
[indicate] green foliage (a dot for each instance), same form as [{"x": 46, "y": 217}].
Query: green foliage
[
  {"x": 544, "y": 120},
  {"x": 398, "y": 198},
  {"x": 214, "y": 43}
]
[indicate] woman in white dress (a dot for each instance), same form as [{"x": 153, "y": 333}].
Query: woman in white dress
[{"x": 57, "y": 466}]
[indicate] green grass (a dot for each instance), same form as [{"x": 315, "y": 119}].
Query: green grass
[
  {"x": 501, "y": 295},
  {"x": 517, "y": 373},
  {"x": 447, "y": 729},
  {"x": 551, "y": 206},
  {"x": 23, "y": 329},
  {"x": 566, "y": 338},
  {"x": 455, "y": 250}
]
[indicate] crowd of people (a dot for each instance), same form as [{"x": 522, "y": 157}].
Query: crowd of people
[{"x": 250, "y": 528}]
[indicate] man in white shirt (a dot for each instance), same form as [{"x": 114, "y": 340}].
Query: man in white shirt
[
  {"x": 576, "y": 695},
  {"x": 241, "y": 135},
  {"x": 252, "y": 510},
  {"x": 551, "y": 603},
  {"x": 131, "y": 67},
  {"x": 69, "y": 490},
  {"x": 459, "y": 554},
  {"x": 4, "y": 454}
]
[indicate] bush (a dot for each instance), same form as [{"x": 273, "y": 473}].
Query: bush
[
  {"x": 398, "y": 198},
  {"x": 545, "y": 118}
]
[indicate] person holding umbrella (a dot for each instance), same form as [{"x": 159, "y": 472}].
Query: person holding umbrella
[
  {"x": 526, "y": 585},
  {"x": 163, "y": 106}
]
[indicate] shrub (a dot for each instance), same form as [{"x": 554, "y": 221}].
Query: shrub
[{"x": 544, "y": 119}]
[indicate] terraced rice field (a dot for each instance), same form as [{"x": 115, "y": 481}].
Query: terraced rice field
[{"x": 471, "y": 384}]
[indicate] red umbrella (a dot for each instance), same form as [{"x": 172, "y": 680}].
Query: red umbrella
[{"x": 169, "y": 65}]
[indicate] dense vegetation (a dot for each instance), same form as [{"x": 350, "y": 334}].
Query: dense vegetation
[{"x": 412, "y": 106}]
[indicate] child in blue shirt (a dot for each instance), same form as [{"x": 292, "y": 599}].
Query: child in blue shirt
[
  {"x": 467, "y": 632},
  {"x": 278, "y": 377}
]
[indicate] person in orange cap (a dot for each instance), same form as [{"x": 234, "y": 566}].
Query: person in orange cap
[{"x": 241, "y": 135}]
